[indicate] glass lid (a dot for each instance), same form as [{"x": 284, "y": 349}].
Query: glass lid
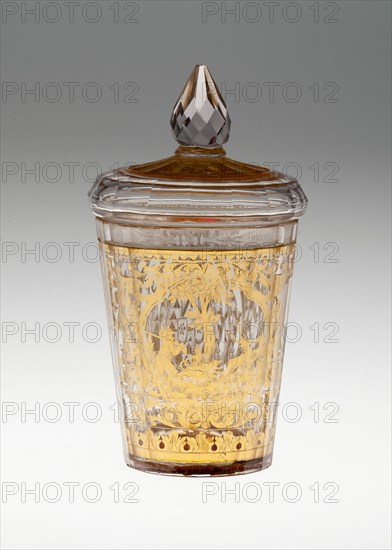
[{"x": 199, "y": 184}]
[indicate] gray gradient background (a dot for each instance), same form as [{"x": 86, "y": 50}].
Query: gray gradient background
[{"x": 158, "y": 53}]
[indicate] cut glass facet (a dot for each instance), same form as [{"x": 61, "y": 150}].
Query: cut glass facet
[{"x": 200, "y": 115}]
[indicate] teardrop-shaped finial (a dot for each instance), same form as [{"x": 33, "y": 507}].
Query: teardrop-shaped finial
[{"x": 200, "y": 115}]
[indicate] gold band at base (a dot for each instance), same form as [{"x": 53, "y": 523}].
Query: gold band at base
[{"x": 201, "y": 470}]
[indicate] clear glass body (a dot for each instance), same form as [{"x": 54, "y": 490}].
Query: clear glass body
[{"x": 197, "y": 270}]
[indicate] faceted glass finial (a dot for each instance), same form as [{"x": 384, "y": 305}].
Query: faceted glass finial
[{"x": 200, "y": 116}]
